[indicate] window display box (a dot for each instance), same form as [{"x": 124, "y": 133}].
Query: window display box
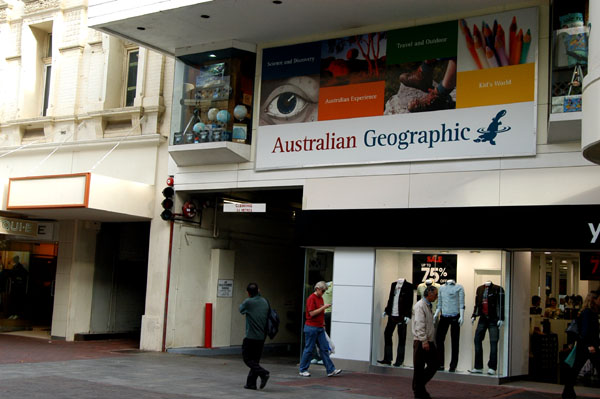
[{"x": 212, "y": 105}]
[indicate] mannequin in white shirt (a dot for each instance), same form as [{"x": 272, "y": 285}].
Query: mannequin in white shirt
[
  {"x": 451, "y": 311},
  {"x": 398, "y": 310}
]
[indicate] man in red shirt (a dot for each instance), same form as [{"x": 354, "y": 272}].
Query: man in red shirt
[{"x": 314, "y": 332}]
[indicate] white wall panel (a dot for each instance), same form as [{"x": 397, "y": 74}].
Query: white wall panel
[
  {"x": 352, "y": 341},
  {"x": 454, "y": 189},
  {"x": 550, "y": 186},
  {"x": 353, "y": 266},
  {"x": 357, "y": 192},
  {"x": 352, "y": 304}
]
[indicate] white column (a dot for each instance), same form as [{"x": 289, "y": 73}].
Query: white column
[{"x": 352, "y": 308}]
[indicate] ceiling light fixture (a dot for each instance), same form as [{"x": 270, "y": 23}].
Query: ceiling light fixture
[
  {"x": 212, "y": 56},
  {"x": 204, "y": 16},
  {"x": 141, "y": 28},
  {"x": 277, "y": 1}
]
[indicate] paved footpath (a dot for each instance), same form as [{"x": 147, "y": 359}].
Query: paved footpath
[{"x": 35, "y": 368}]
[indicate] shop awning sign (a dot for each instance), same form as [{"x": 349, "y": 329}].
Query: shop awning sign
[{"x": 18, "y": 227}]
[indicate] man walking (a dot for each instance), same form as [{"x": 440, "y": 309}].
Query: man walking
[
  {"x": 314, "y": 332},
  {"x": 424, "y": 346},
  {"x": 256, "y": 308}
]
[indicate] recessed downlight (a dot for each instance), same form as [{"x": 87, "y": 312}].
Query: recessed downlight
[
  {"x": 277, "y": 1},
  {"x": 204, "y": 16},
  {"x": 141, "y": 28}
]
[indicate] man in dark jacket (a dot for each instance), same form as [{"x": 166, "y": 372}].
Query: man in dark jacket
[{"x": 256, "y": 308}]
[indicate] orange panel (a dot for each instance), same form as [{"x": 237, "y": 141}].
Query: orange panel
[{"x": 351, "y": 101}]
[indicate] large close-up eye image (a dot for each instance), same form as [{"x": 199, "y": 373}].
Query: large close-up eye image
[{"x": 291, "y": 100}]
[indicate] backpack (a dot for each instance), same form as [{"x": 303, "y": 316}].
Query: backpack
[{"x": 272, "y": 322}]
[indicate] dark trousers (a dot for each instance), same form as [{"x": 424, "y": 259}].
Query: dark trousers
[
  {"x": 485, "y": 324},
  {"x": 423, "y": 374},
  {"x": 388, "y": 333},
  {"x": 251, "y": 353},
  {"x": 582, "y": 355},
  {"x": 442, "y": 329}
]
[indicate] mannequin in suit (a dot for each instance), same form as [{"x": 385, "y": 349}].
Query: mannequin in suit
[{"x": 398, "y": 310}]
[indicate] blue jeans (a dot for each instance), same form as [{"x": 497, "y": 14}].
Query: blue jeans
[{"x": 315, "y": 336}]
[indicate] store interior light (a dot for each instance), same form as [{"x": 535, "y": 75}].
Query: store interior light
[
  {"x": 563, "y": 261},
  {"x": 212, "y": 55},
  {"x": 547, "y": 253}
]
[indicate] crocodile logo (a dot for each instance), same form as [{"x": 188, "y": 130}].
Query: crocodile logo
[{"x": 492, "y": 130}]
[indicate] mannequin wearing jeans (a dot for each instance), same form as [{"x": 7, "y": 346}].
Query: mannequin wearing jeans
[
  {"x": 451, "y": 307},
  {"x": 489, "y": 307},
  {"x": 398, "y": 310}
]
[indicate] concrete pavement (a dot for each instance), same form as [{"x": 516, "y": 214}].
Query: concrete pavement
[{"x": 115, "y": 369}]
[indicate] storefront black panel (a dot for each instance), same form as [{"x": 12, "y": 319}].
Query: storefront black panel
[{"x": 575, "y": 227}]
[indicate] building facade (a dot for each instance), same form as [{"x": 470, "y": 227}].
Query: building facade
[
  {"x": 389, "y": 144},
  {"x": 83, "y": 119}
]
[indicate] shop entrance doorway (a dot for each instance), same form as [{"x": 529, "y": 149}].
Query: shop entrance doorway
[
  {"x": 557, "y": 293},
  {"x": 27, "y": 280}
]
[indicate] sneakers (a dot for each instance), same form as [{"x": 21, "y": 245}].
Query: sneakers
[
  {"x": 476, "y": 371},
  {"x": 304, "y": 374},
  {"x": 491, "y": 371},
  {"x": 314, "y": 361},
  {"x": 320, "y": 362},
  {"x": 417, "y": 79},
  {"x": 334, "y": 373},
  {"x": 432, "y": 101}
]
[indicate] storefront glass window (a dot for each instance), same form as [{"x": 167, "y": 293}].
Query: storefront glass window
[{"x": 475, "y": 338}]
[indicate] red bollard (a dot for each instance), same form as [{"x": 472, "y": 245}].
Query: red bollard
[{"x": 208, "y": 326}]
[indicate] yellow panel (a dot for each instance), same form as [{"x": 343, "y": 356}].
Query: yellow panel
[{"x": 504, "y": 85}]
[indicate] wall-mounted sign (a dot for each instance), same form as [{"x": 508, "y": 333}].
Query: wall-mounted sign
[
  {"x": 452, "y": 90},
  {"x": 244, "y": 207},
  {"x": 18, "y": 227},
  {"x": 225, "y": 288},
  {"x": 437, "y": 267},
  {"x": 589, "y": 268}
]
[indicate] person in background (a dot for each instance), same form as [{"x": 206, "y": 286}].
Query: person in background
[
  {"x": 588, "y": 342},
  {"x": 535, "y": 305},
  {"x": 425, "y": 352},
  {"x": 552, "y": 311},
  {"x": 314, "y": 332},
  {"x": 255, "y": 308}
]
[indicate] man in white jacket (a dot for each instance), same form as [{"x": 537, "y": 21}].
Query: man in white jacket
[{"x": 424, "y": 345}]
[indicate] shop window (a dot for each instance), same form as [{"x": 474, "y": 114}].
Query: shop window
[
  {"x": 477, "y": 276},
  {"x": 213, "y": 99},
  {"x": 569, "y": 54},
  {"x": 131, "y": 73}
]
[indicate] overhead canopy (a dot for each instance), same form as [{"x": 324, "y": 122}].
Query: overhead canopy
[{"x": 82, "y": 196}]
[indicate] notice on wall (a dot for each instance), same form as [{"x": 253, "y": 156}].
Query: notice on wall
[
  {"x": 589, "y": 268},
  {"x": 225, "y": 288},
  {"x": 438, "y": 267},
  {"x": 452, "y": 90}
]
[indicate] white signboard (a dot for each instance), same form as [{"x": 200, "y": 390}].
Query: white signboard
[
  {"x": 228, "y": 207},
  {"x": 225, "y": 288},
  {"x": 482, "y": 132}
]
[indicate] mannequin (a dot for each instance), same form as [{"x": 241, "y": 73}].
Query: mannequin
[
  {"x": 398, "y": 310},
  {"x": 451, "y": 309},
  {"x": 421, "y": 288},
  {"x": 489, "y": 307}
]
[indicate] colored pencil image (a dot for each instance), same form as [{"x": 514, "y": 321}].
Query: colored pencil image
[
  {"x": 470, "y": 43},
  {"x": 525, "y": 49},
  {"x": 500, "y": 45},
  {"x": 507, "y": 49},
  {"x": 479, "y": 47},
  {"x": 491, "y": 57},
  {"x": 512, "y": 37}
]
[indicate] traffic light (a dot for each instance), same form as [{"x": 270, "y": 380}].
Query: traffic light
[{"x": 168, "y": 202}]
